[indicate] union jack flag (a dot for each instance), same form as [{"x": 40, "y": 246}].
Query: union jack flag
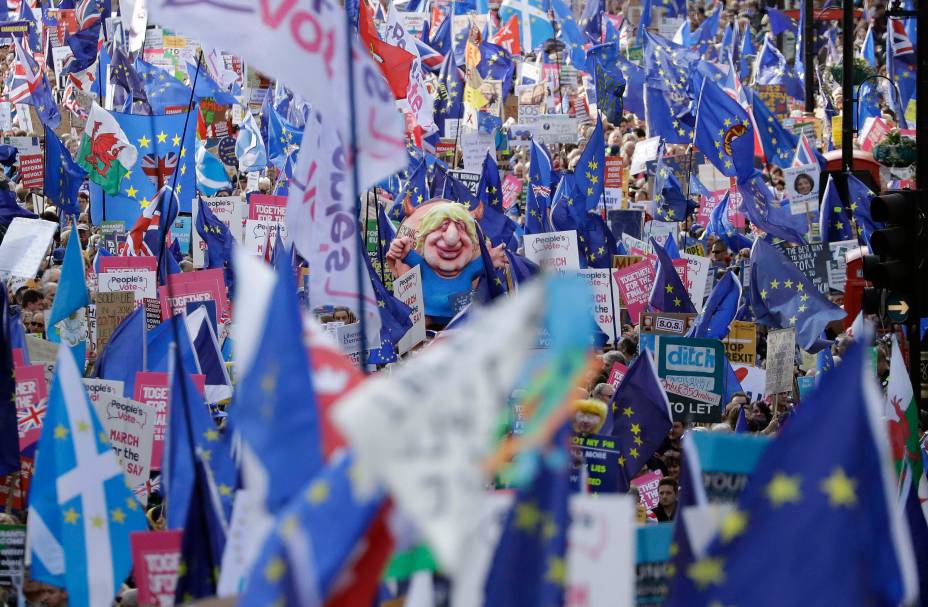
[
  {"x": 29, "y": 85},
  {"x": 901, "y": 44},
  {"x": 30, "y": 418},
  {"x": 150, "y": 219},
  {"x": 159, "y": 168}
]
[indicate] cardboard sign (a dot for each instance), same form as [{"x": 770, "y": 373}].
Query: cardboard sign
[
  {"x": 265, "y": 207},
  {"x": 553, "y": 250},
  {"x": 634, "y": 284},
  {"x": 475, "y": 146},
  {"x": 605, "y": 301},
  {"x": 151, "y": 389},
  {"x": 408, "y": 289},
  {"x": 101, "y": 390},
  {"x": 616, "y": 375},
  {"x": 31, "y": 403},
  {"x": 741, "y": 343},
  {"x": 202, "y": 285},
  {"x": 30, "y": 160},
  {"x": 802, "y": 185},
  {"x": 136, "y": 275},
  {"x": 111, "y": 309},
  {"x": 552, "y": 129},
  {"x": 512, "y": 189},
  {"x": 129, "y": 427},
  {"x": 24, "y": 245},
  {"x": 691, "y": 371},
  {"x": 12, "y": 555},
  {"x": 260, "y": 233},
  {"x": 601, "y": 551},
  {"x": 812, "y": 260},
  {"x": 781, "y": 350},
  {"x": 156, "y": 559},
  {"x": 596, "y": 457},
  {"x": 647, "y": 488}
]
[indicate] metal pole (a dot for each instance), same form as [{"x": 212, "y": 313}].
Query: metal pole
[
  {"x": 847, "y": 87},
  {"x": 921, "y": 177},
  {"x": 808, "y": 51}
]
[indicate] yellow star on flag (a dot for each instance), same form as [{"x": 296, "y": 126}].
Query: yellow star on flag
[
  {"x": 733, "y": 525},
  {"x": 706, "y": 572},
  {"x": 783, "y": 488},
  {"x": 162, "y": 137},
  {"x": 840, "y": 488}
]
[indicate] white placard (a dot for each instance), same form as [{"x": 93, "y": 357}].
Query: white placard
[
  {"x": 475, "y": 147},
  {"x": 645, "y": 151},
  {"x": 697, "y": 272},
  {"x": 143, "y": 283},
  {"x": 256, "y": 235},
  {"x": 553, "y": 250},
  {"x": 24, "y": 246},
  {"x": 605, "y": 304},
  {"x": 130, "y": 429},
  {"x": 802, "y": 188},
  {"x": 601, "y": 551},
  {"x": 408, "y": 289},
  {"x": 552, "y": 129}
]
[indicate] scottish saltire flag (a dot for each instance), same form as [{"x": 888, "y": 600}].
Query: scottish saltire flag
[
  {"x": 779, "y": 145},
  {"x": 782, "y": 296},
  {"x": 249, "y": 145},
  {"x": 80, "y": 510},
  {"x": 275, "y": 407},
  {"x": 63, "y": 176},
  {"x": 529, "y": 566},
  {"x": 641, "y": 418},
  {"x": 305, "y": 554},
  {"x": 724, "y": 132},
  {"x": 538, "y": 196},
  {"x": 533, "y": 19},
  {"x": 211, "y": 172},
  {"x": 30, "y": 86},
  {"x": 800, "y": 502},
  {"x": 770, "y": 215},
  {"x": 720, "y": 309},
  {"x": 162, "y": 159},
  {"x": 668, "y": 294}
]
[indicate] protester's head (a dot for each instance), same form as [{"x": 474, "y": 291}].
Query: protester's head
[
  {"x": 264, "y": 185},
  {"x": 589, "y": 415},
  {"x": 803, "y": 184},
  {"x": 32, "y": 300},
  {"x": 667, "y": 492},
  {"x": 603, "y": 392},
  {"x": 343, "y": 314},
  {"x": 612, "y": 357},
  {"x": 673, "y": 467},
  {"x": 447, "y": 238},
  {"x": 35, "y": 323},
  {"x": 49, "y": 290},
  {"x": 676, "y": 431},
  {"x": 83, "y": 231},
  {"x": 719, "y": 253},
  {"x": 628, "y": 347}
]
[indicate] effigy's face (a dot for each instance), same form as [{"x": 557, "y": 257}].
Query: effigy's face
[{"x": 448, "y": 248}]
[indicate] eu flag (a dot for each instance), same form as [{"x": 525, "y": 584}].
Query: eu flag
[
  {"x": 668, "y": 293},
  {"x": 724, "y": 132},
  {"x": 799, "y": 504},
  {"x": 771, "y": 68},
  {"x": 496, "y": 64},
  {"x": 634, "y": 77},
  {"x": 414, "y": 193},
  {"x": 610, "y": 83},
  {"x": 164, "y": 154},
  {"x": 10, "y": 209},
  {"x": 770, "y": 215},
  {"x": 671, "y": 108},
  {"x": 779, "y": 144},
  {"x": 219, "y": 241},
  {"x": 782, "y": 296},
  {"x": 449, "y": 102},
  {"x": 394, "y": 318},
  {"x": 490, "y": 188},
  {"x": 641, "y": 418},
  {"x": 840, "y": 221},
  {"x": 538, "y": 197},
  {"x": 164, "y": 92},
  {"x": 529, "y": 567},
  {"x": 672, "y": 203},
  {"x": 589, "y": 174},
  {"x": 63, "y": 176},
  {"x": 720, "y": 309},
  {"x": 569, "y": 33}
]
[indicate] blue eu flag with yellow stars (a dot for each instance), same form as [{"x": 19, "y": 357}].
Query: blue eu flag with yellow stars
[
  {"x": 165, "y": 153},
  {"x": 590, "y": 170},
  {"x": 852, "y": 221},
  {"x": 490, "y": 188},
  {"x": 669, "y": 101},
  {"x": 832, "y": 510},
  {"x": 394, "y": 318},
  {"x": 782, "y": 296},
  {"x": 449, "y": 102},
  {"x": 672, "y": 203},
  {"x": 724, "y": 132},
  {"x": 313, "y": 539},
  {"x": 769, "y": 214},
  {"x": 641, "y": 418},
  {"x": 414, "y": 194},
  {"x": 668, "y": 294},
  {"x": 779, "y": 144},
  {"x": 538, "y": 194},
  {"x": 610, "y": 82},
  {"x": 529, "y": 567},
  {"x": 63, "y": 176}
]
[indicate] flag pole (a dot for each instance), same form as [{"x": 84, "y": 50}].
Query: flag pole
[
  {"x": 602, "y": 196},
  {"x": 353, "y": 161}
]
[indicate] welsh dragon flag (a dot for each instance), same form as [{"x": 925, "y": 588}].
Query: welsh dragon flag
[
  {"x": 105, "y": 153},
  {"x": 902, "y": 415}
]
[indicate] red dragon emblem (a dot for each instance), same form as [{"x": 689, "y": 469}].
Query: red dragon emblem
[
  {"x": 735, "y": 131},
  {"x": 104, "y": 149},
  {"x": 899, "y": 432}
]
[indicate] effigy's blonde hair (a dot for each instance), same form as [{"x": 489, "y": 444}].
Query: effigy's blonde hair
[{"x": 437, "y": 215}]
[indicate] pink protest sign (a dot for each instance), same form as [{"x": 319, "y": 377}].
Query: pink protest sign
[
  {"x": 265, "y": 207},
  {"x": 156, "y": 559},
  {"x": 875, "y": 134},
  {"x": 647, "y": 488},
  {"x": 634, "y": 284},
  {"x": 151, "y": 388},
  {"x": 114, "y": 263},
  {"x": 512, "y": 187},
  {"x": 202, "y": 285},
  {"x": 706, "y": 205},
  {"x": 616, "y": 374},
  {"x": 31, "y": 403}
]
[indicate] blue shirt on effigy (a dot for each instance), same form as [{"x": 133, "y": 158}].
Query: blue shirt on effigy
[{"x": 438, "y": 291}]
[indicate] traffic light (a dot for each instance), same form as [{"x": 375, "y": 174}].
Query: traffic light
[{"x": 897, "y": 266}]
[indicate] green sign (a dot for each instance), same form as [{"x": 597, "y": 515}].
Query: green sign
[{"x": 692, "y": 372}]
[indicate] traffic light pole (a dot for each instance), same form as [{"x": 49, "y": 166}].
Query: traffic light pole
[
  {"x": 847, "y": 87},
  {"x": 921, "y": 182}
]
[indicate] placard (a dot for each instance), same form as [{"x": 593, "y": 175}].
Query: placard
[
  {"x": 812, "y": 260},
  {"x": 151, "y": 389},
  {"x": 122, "y": 274},
  {"x": 475, "y": 146},
  {"x": 229, "y": 210},
  {"x": 31, "y": 403},
  {"x": 24, "y": 245},
  {"x": 512, "y": 189},
  {"x": 596, "y": 457},
  {"x": 781, "y": 354},
  {"x": 552, "y": 129},
  {"x": 634, "y": 284},
  {"x": 265, "y": 207},
  {"x": 102, "y": 389},
  {"x": 741, "y": 343},
  {"x": 260, "y": 233},
  {"x": 647, "y": 485},
  {"x": 601, "y": 551},
  {"x": 645, "y": 151},
  {"x": 111, "y": 309},
  {"x": 802, "y": 184},
  {"x": 129, "y": 427},
  {"x": 605, "y": 303},
  {"x": 202, "y": 285},
  {"x": 661, "y": 323},
  {"x": 12, "y": 555},
  {"x": 408, "y": 289},
  {"x": 156, "y": 561},
  {"x": 553, "y": 250},
  {"x": 625, "y": 221},
  {"x": 30, "y": 160},
  {"x": 691, "y": 371},
  {"x": 616, "y": 375},
  {"x": 152, "y": 313}
]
